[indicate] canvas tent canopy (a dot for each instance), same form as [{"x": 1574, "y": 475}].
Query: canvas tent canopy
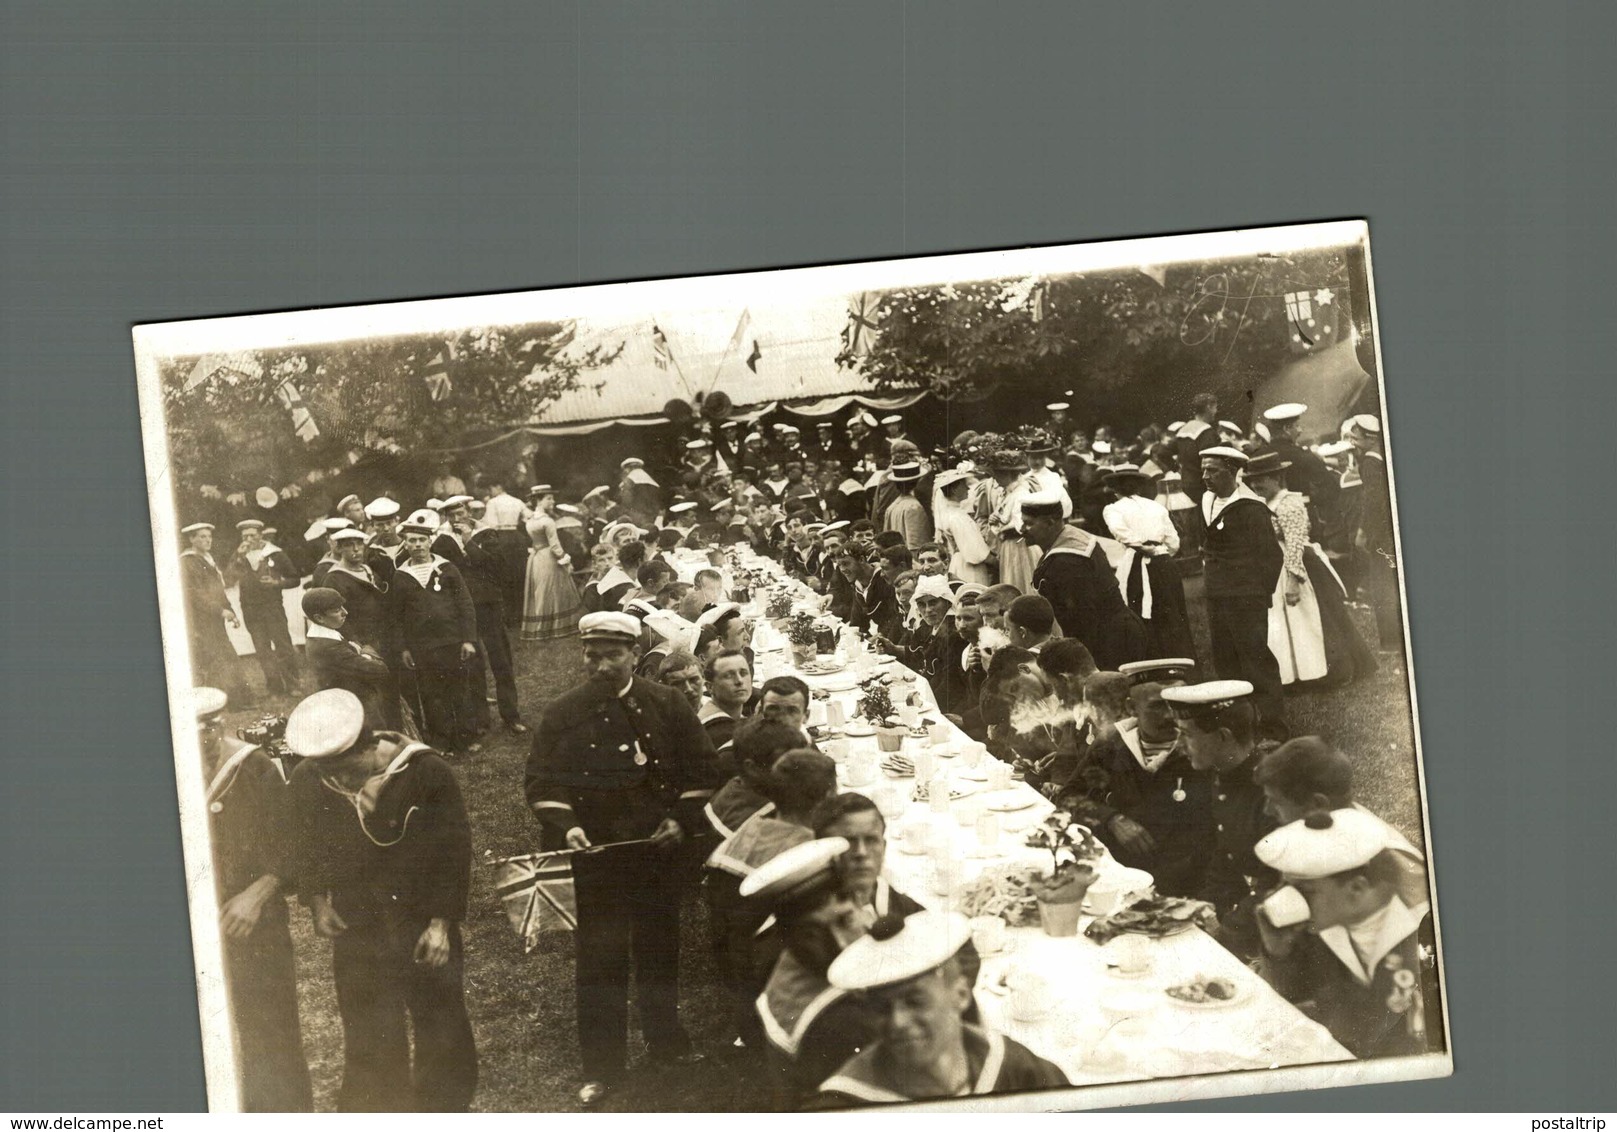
[
  {"x": 686, "y": 355},
  {"x": 1328, "y": 382}
]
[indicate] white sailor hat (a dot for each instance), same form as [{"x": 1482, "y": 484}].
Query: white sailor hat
[
  {"x": 1101, "y": 446},
  {"x": 968, "y": 589},
  {"x": 1335, "y": 448},
  {"x": 1165, "y": 668},
  {"x": 1364, "y": 422},
  {"x": 716, "y": 614},
  {"x": 681, "y": 508},
  {"x": 195, "y": 527},
  {"x": 640, "y": 608},
  {"x": 381, "y": 508},
  {"x": 1261, "y": 429},
  {"x": 342, "y": 504},
  {"x": 631, "y": 462},
  {"x": 796, "y": 871},
  {"x": 541, "y": 489},
  {"x": 265, "y": 497},
  {"x": 1224, "y": 452},
  {"x": 850, "y": 486},
  {"x": 1041, "y": 501},
  {"x": 337, "y": 523},
  {"x": 892, "y": 418},
  {"x": 790, "y": 429},
  {"x": 206, "y": 702},
  {"x": 1125, "y": 471},
  {"x": 951, "y": 476},
  {"x": 250, "y": 525},
  {"x": 1175, "y": 426},
  {"x": 1214, "y": 695},
  {"x": 610, "y": 531},
  {"x": 348, "y": 534},
  {"x": 814, "y": 528},
  {"x": 595, "y": 491},
  {"x": 453, "y": 501},
  {"x": 317, "y": 529},
  {"x": 896, "y": 950},
  {"x": 751, "y": 436},
  {"x": 567, "y": 509},
  {"x": 609, "y": 626},
  {"x": 824, "y": 424},
  {"x": 1231, "y": 426},
  {"x": 698, "y": 444},
  {"x": 1323, "y": 844},
  {"x": 421, "y": 522},
  {"x": 866, "y": 419},
  {"x": 1290, "y": 411},
  {"x": 1058, "y": 406},
  {"x": 907, "y": 472},
  {"x": 839, "y": 525},
  {"x": 325, "y": 724}
]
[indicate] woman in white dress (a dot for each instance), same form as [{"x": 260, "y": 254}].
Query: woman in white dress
[
  {"x": 1310, "y": 632},
  {"x": 997, "y": 504},
  {"x": 1147, "y": 575},
  {"x": 550, "y": 606}
]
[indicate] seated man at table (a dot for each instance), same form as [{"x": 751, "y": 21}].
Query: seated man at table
[
  {"x": 1363, "y": 964},
  {"x": 1150, "y": 806},
  {"x": 910, "y": 972},
  {"x": 855, "y": 818},
  {"x": 1218, "y": 726},
  {"x": 810, "y": 1027},
  {"x": 730, "y": 699},
  {"x": 1307, "y": 775},
  {"x": 796, "y": 782},
  {"x": 756, "y": 744}
]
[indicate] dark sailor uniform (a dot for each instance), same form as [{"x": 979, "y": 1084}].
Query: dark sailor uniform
[
  {"x": 1166, "y": 795},
  {"x": 997, "y": 1065},
  {"x": 388, "y": 875},
  {"x": 263, "y": 613},
  {"x": 435, "y": 618},
  {"x": 337, "y": 662},
  {"x": 616, "y": 766},
  {"x": 1383, "y": 1003},
  {"x": 1242, "y": 560},
  {"x": 1235, "y": 877},
  {"x": 247, "y": 816},
  {"x": 1077, "y": 579},
  {"x": 213, "y": 657}
]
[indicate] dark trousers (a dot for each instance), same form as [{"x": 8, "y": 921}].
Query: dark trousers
[
  {"x": 1381, "y": 587},
  {"x": 628, "y": 912},
  {"x": 440, "y": 677},
  {"x": 263, "y": 989},
  {"x": 272, "y": 645},
  {"x": 1239, "y": 627},
  {"x": 379, "y": 983},
  {"x": 495, "y": 646}
]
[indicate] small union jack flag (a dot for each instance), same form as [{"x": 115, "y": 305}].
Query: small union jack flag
[
  {"x": 537, "y": 893},
  {"x": 436, "y": 375},
  {"x": 661, "y": 355},
  {"x": 858, "y": 335}
]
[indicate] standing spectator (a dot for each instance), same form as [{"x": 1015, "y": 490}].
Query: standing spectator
[
  {"x": 504, "y": 515},
  {"x": 252, "y": 868},
  {"x": 1318, "y": 485},
  {"x": 1243, "y": 560},
  {"x": 620, "y": 759},
  {"x": 214, "y": 662},
  {"x": 1376, "y": 532},
  {"x": 262, "y": 572},
  {"x": 438, "y": 634},
  {"x": 969, "y": 555},
  {"x": 905, "y": 514},
  {"x": 1076, "y": 578},
  {"x": 1147, "y": 573},
  {"x": 1191, "y": 439},
  {"x": 384, "y": 852},
  {"x": 338, "y": 662},
  {"x": 550, "y": 606}
]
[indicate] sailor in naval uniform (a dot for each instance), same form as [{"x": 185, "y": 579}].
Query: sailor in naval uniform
[
  {"x": 1363, "y": 963},
  {"x": 909, "y": 972}
]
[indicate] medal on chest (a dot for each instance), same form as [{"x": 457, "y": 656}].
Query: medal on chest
[{"x": 1179, "y": 790}]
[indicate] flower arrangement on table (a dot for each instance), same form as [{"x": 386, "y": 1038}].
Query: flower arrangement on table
[
  {"x": 1072, "y": 848},
  {"x": 778, "y": 606},
  {"x": 876, "y": 701},
  {"x": 800, "y": 633}
]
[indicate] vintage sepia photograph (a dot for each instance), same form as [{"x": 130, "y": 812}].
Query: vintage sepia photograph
[{"x": 975, "y": 680}]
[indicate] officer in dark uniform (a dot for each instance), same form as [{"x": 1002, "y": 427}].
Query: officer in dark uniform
[
  {"x": 247, "y": 813},
  {"x": 480, "y": 557},
  {"x": 384, "y": 859},
  {"x": 262, "y": 571},
  {"x": 1218, "y": 729},
  {"x": 1309, "y": 475},
  {"x": 621, "y": 759},
  {"x": 364, "y": 592}
]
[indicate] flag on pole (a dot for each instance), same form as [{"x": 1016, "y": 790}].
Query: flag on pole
[
  {"x": 436, "y": 375},
  {"x": 741, "y": 329},
  {"x": 537, "y": 893},
  {"x": 859, "y": 335},
  {"x": 661, "y": 355},
  {"x": 229, "y": 368},
  {"x": 1312, "y": 318},
  {"x": 752, "y": 358},
  {"x": 302, "y": 420}
]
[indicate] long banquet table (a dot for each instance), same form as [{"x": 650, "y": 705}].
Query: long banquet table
[{"x": 1099, "y": 1028}]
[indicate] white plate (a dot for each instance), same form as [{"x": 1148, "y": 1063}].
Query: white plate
[
  {"x": 978, "y": 775},
  {"x": 858, "y": 731},
  {"x": 1008, "y": 803},
  {"x": 1242, "y": 993},
  {"x": 843, "y": 685}
]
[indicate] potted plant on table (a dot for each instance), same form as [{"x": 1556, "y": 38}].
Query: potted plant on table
[
  {"x": 778, "y": 608},
  {"x": 876, "y": 705},
  {"x": 1060, "y": 892},
  {"x": 802, "y": 635}
]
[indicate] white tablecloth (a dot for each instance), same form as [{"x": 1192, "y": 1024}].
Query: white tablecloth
[{"x": 1097, "y": 1027}]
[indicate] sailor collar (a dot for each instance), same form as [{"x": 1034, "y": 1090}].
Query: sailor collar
[
  {"x": 324, "y": 633},
  {"x": 861, "y": 1076},
  {"x": 225, "y": 777},
  {"x": 1213, "y": 506},
  {"x": 362, "y": 572},
  {"x": 791, "y": 1002},
  {"x": 1071, "y": 540},
  {"x": 1380, "y": 933}
]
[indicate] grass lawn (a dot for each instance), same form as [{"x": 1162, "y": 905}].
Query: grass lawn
[{"x": 522, "y": 1005}]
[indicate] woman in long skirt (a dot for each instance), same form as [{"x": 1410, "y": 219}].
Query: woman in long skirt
[
  {"x": 1147, "y": 575},
  {"x": 550, "y": 606},
  {"x": 1310, "y": 632}
]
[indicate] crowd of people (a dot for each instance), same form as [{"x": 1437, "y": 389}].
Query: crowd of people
[{"x": 1035, "y": 579}]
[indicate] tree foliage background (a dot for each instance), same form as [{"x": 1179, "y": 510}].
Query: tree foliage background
[{"x": 1133, "y": 344}]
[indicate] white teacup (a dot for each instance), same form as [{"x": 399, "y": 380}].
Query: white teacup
[
  {"x": 1130, "y": 954},
  {"x": 1285, "y": 907},
  {"x": 1030, "y": 994},
  {"x": 987, "y": 934},
  {"x": 915, "y": 837}
]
